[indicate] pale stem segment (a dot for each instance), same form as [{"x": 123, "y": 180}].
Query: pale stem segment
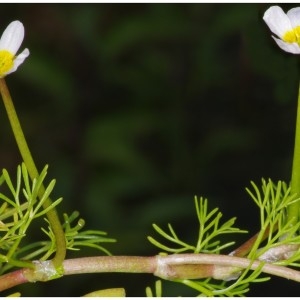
[{"x": 32, "y": 170}]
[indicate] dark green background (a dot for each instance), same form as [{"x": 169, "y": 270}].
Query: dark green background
[{"x": 139, "y": 107}]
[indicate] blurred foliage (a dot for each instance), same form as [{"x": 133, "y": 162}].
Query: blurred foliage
[{"x": 139, "y": 107}]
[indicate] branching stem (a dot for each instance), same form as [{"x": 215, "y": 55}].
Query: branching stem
[{"x": 32, "y": 170}]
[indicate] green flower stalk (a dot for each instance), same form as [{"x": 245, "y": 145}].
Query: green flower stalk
[
  {"x": 293, "y": 211},
  {"x": 286, "y": 27},
  {"x": 10, "y": 42}
]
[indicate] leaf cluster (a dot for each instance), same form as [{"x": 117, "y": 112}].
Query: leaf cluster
[
  {"x": 21, "y": 203},
  {"x": 208, "y": 241},
  {"x": 273, "y": 201},
  {"x": 209, "y": 230}
]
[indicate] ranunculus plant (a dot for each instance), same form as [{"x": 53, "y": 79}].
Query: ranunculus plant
[{"x": 206, "y": 266}]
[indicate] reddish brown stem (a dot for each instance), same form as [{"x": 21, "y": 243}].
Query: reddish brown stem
[
  {"x": 12, "y": 279},
  {"x": 245, "y": 248}
]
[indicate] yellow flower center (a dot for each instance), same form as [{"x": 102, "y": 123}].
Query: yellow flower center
[
  {"x": 6, "y": 62},
  {"x": 292, "y": 36}
]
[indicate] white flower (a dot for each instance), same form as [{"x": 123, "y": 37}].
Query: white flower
[
  {"x": 286, "y": 27},
  {"x": 10, "y": 43}
]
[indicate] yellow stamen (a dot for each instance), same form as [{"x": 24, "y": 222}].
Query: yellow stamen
[
  {"x": 292, "y": 36},
  {"x": 6, "y": 62},
  {"x": 297, "y": 31}
]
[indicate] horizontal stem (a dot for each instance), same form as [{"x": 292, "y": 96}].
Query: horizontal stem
[
  {"x": 12, "y": 279},
  {"x": 103, "y": 264},
  {"x": 222, "y": 261},
  {"x": 169, "y": 267}
]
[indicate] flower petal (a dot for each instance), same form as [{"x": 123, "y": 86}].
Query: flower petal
[
  {"x": 19, "y": 59},
  {"x": 12, "y": 37},
  {"x": 278, "y": 22},
  {"x": 288, "y": 47},
  {"x": 294, "y": 16}
]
